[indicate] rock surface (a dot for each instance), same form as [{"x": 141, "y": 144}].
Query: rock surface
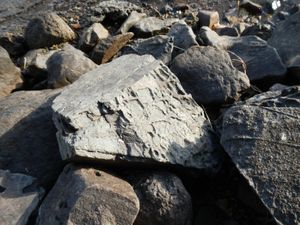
[
  {"x": 133, "y": 109},
  {"x": 163, "y": 200},
  {"x": 27, "y": 118},
  {"x": 133, "y": 18},
  {"x": 47, "y": 30},
  {"x": 89, "y": 196},
  {"x": 19, "y": 197},
  {"x": 208, "y": 74},
  {"x": 262, "y": 138},
  {"x": 208, "y": 18}
]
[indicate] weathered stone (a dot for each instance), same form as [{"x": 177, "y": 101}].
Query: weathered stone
[
  {"x": 228, "y": 31},
  {"x": 10, "y": 75},
  {"x": 278, "y": 87},
  {"x": 163, "y": 200},
  {"x": 27, "y": 136},
  {"x": 294, "y": 70},
  {"x": 208, "y": 74},
  {"x": 263, "y": 31},
  {"x": 66, "y": 66},
  {"x": 106, "y": 49},
  {"x": 47, "y": 30},
  {"x": 237, "y": 62},
  {"x": 160, "y": 46},
  {"x": 251, "y": 7},
  {"x": 133, "y": 109},
  {"x": 89, "y": 196},
  {"x": 92, "y": 35},
  {"x": 14, "y": 44},
  {"x": 208, "y": 18},
  {"x": 262, "y": 137},
  {"x": 133, "y": 18},
  {"x": 19, "y": 197}
]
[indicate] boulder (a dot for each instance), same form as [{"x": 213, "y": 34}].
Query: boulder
[
  {"x": 228, "y": 31},
  {"x": 107, "y": 48},
  {"x": 133, "y": 18},
  {"x": 262, "y": 137},
  {"x": 19, "y": 197},
  {"x": 66, "y": 66},
  {"x": 10, "y": 75},
  {"x": 208, "y": 74},
  {"x": 208, "y": 18},
  {"x": 160, "y": 46},
  {"x": 89, "y": 196},
  {"x": 133, "y": 109},
  {"x": 251, "y": 7},
  {"x": 47, "y": 30},
  {"x": 27, "y": 136},
  {"x": 163, "y": 200}
]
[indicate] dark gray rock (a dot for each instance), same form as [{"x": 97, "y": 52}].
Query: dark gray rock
[
  {"x": 262, "y": 137},
  {"x": 133, "y": 109},
  {"x": 208, "y": 74},
  {"x": 228, "y": 31},
  {"x": 27, "y": 136},
  {"x": 89, "y": 196},
  {"x": 294, "y": 70},
  {"x": 163, "y": 200},
  {"x": 263, "y": 31},
  {"x": 208, "y": 18},
  {"x": 47, "y": 30},
  {"x": 19, "y": 197},
  {"x": 251, "y": 7}
]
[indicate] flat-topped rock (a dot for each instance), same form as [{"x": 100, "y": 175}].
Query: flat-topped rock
[{"x": 133, "y": 109}]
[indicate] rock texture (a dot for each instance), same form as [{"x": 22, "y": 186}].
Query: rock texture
[
  {"x": 163, "y": 200},
  {"x": 19, "y": 197},
  {"x": 10, "y": 75},
  {"x": 47, "y": 30},
  {"x": 208, "y": 74},
  {"x": 262, "y": 137},
  {"x": 27, "y": 136},
  {"x": 133, "y": 109},
  {"x": 89, "y": 196},
  {"x": 132, "y": 19},
  {"x": 208, "y": 18}
]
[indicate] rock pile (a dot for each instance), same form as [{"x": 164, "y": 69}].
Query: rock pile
[{"x": 123, "y": 113}]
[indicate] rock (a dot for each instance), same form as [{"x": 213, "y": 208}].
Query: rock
[
  {"x": 92, "y": 35},
  {"x": 66, "y": 66},
  {"x": 251, "y": 7},
  {"x": 160, "y": 46},
  {"x": 294, "y": 70},
  {"x": 28, "y": 144},
  {"x": 278, "y": 87},
  {"x": 262, "y": 138},
  {"x": 228, "y": 31},
  {"x": 263, "y": 31},
  {"x": 208, "y": 74},
  {"x": 47, "y": 30},
  {"x": 237, "y": 62},
  {"x": 163, "y": 200},
  {"x": 10, "y": 75},
  {"x": 14, "y": 45},
  {"x": 89, "y": 196},
  {"x": 106, "y": 49},
  {"x": 19, "y": 197},
  {"x": 208, "y": 18},
  {"x": 151, "y": 26},
  {"x": 133, "y": 109},
  {"x": 133, "y": 18}
]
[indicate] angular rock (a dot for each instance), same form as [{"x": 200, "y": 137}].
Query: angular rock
[
  {"x": 92, "y": 35},
  {"x": 251, "y": 7},
  {"x": 106, "y": 49},
  {"x": 163, "y": 200},
  {"x": 14, "y": 44},
  {"x": 27, "y": 136},
  {"x": 133, "y": 109},
  {"x": 294, "y": 70},
  {"x": 66, "y": 66},
  {"x": 10, "y": 75},
  {"x": 228, "y": 31},
  {"x": 133, "y": 18},
  {"x": 160, "y": 46},
  {"x": 263, "y": 31},
  {"x": 19, "y": 197},
  {"x": 208, "y": 74},
  {"x": 262, "y": 137},
  {"x": 208, "y": 18},
  {"x": 89, "y": 196},
  {"x": 237, "y": 62},
  {"x": 47, "y": 30}
]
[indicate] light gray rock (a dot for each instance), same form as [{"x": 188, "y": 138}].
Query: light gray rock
[
  {"x": 133, "y": 109},
  {"x": 10, "y": 75},
  {"x": 208, "y": 18},
  {"x": 160, "y": 46},
  {"x": 208, "y": 74},
  {"x": 66, "y": 66},
  {"x": 47, "y": 30},
  {"x": 133, "y": 18},
  {"x": 89, "y": 196},
  {"x": 163, "y": 200},
  {"x": 19, "y": 197},
  {"x": 262, "y": 137},
  {"x": 27, "y": 136}
]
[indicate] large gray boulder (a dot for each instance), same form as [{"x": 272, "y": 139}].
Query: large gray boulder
[
  {"x": 27, "y": 136},
  {"x": 262, "y": 137},
  {"x": 19, "y": 197},
  {"x": 133, "y": 109},
  {"x": 208, "y": 74},
  {"x": 89, "y": 196}
]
